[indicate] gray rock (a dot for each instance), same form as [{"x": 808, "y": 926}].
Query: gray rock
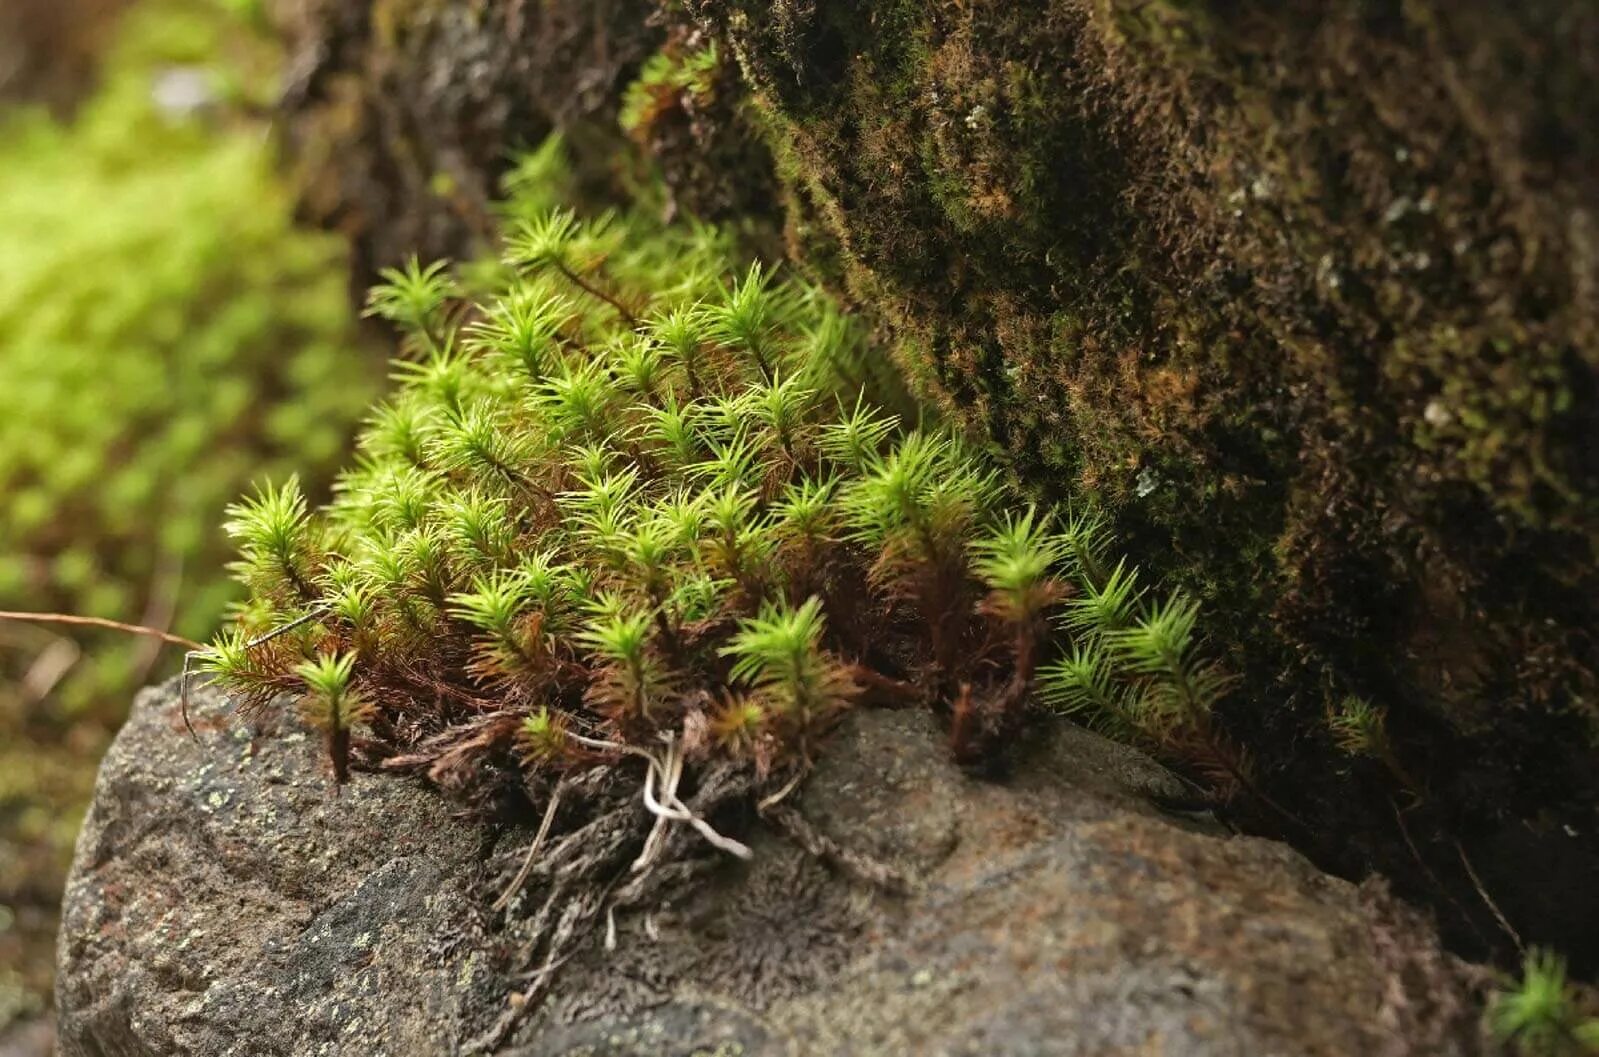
[{"x": 225, "y": 900}]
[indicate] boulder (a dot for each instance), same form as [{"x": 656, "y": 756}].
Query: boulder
[
  {"x": 226, "y": 898},
  {"x": 1302, "y": 293}
]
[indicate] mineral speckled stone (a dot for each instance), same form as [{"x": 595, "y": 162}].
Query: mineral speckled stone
[{"x": 226, "y": 900}]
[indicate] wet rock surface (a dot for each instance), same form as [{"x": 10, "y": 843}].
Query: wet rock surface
[{"x": 226, "y": 901}]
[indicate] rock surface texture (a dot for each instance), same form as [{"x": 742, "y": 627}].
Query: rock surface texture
[
  {"x": 405, "y": 114},
  {"x": 226, "y": 901}
]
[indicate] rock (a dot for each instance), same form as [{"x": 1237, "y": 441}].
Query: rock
[
  {"x": 401, "y": 119},
  {"x": 225, "y": 900},
  {"x": 1307, "y": 298}
]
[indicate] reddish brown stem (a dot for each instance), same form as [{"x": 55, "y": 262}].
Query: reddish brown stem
[
  {"x": 898, "y": 689},
  {"x": 339, "y": 753},
  {"x": 1025, "y": 663},
  {"x": 964, "y": 742},
  {"x": 594, "y": 291}
]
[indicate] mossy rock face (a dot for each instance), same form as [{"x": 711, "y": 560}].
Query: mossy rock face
[
  {"x": 402, "y": 113},
  {"x": 1306, "y": 293}
]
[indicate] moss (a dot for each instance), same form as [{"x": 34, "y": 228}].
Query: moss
[
  {"x": 165, "y": 335},
  {"x": 618, "y": 503},
  {"x": 1305, "y": 294}
]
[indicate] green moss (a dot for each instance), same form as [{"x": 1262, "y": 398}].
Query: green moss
[
  {"x": 627, "y": 501},
  {"x": 670, "y": 79},
  {"x": 1541, "y": 1015},
  {"x": 165, "y": 335},
  {"x": 1497, "y": 410}
]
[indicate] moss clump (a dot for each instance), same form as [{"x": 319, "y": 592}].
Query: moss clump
[
  {"x": 672, "y": 79},
  {"x": 625, "y": 504},
  {"x": 165, "y": 335}
]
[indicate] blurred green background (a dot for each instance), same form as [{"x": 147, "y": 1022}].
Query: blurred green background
[{"x": 167, "y": 336}]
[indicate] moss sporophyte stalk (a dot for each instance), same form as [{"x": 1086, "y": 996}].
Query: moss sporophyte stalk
[{"x": 629, "y": 501}]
